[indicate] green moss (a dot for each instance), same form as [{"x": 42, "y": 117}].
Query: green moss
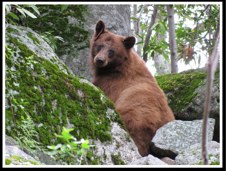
[
  {"x": 53, "y": 99},
  {"x": 180, "y": 88},
  {"x": 215, "y": 163},
  {"x": 17, "y": 157},
  {"x": 210, "y": 160},
  {"x": 92, "y": 159},
  {"x": 17, "y": 160},
  {"x": 8, "y": 161},
  {"x": 117, "y": 160},
  {"x": 12, "y": 30},
  {"x": 35, "y": 39}
]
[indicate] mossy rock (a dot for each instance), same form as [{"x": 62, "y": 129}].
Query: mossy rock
[
  {"x": 18, "y": 160},
  {"x": 186, "y": 95},
  {"x": 186, "y": 92},
  {"x": 39, "y": 86}
]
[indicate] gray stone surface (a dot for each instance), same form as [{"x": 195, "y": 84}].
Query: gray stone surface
[
  {"x": 168, "y": 160},
  {"x": 116, "y": 18},
  {"x": 14, "y": 150},
  {"x": 10, "y": 141},
  {"x": 15, "y": 156},
  {"x": 148, "y": 160},
  {"x": 121, "y": 146},
  {"x": 193, "y": 154},
  {"x": 178, "y": 135}
]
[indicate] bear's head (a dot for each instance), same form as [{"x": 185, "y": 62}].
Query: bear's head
[{"x": 109, "y": 50}]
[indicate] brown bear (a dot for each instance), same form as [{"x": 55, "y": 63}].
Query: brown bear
[{"x": 123, "y": 76}]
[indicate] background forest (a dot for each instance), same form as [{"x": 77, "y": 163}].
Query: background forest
[
  {"x": 193, "y": 30},
  {"x": 57, "y": 117}
]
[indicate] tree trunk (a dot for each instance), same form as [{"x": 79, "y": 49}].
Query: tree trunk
[
  {"x": 172, "y": 39},
  {"x": 148, "y": 35},
  {"x": 137, "y": 30},
  {"x": 162, "y": 65}
]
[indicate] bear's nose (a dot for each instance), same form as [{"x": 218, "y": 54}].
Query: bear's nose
[{"x": 99, "y": 61}]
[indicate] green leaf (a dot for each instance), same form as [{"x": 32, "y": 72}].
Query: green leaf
[
  {"x": 52, "y": 147},
  {"x": 166, "y": 57},
  {"x": 66, "y": 134},
  {"x": 63, "y": 7},
  {"x": 73, "y": 144},
  {"x": 58, "y": 146},
  {"x": 134, "y": 18},
  {"x": 14, "y": 16},
  {"x": 29, "y": 13},
  {"x": 80, "y": 152},
  {"x": 162, "y": 27},
  {"x": 59, "y": 38},
  {"x": 35, "y": 9},
  {"x": 154, "y": 25},
  {"x": 21, "y": 11},
  {"x": 8, "y": 8},
  {"x": 85, "y": 145}
]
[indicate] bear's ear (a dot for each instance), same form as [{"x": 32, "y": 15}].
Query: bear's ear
[
  {"x": 100, "y": 26},
  {"x": 129, "y": 42}
]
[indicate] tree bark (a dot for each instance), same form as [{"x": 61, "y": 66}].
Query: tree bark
[
  {"x": 161, "y": 64},
  {"x": 137, "y": 30},
  {"x": 212, "y": 65},
  {"x": 148, "y": 35},
  {"x": 172, "y": 39}
]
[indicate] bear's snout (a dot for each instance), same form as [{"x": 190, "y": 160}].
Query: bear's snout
[{"x": 99, "y": 61}]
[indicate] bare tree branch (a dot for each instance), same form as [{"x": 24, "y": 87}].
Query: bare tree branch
[
  {"x": 212, "y": 65},
  {"x": 147, "y": 38}
]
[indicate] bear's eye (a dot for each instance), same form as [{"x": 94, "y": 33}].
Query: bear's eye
[
  {"x": 111, "y": 53},
  {"x": 99, "y": 47}
]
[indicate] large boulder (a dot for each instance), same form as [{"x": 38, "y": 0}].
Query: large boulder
[
  {"x": 186, "y": 95},
  {"x": 182, "y": 142},
  {"x": 193, "y": 154},
  {"x": 175, "y": 136}
]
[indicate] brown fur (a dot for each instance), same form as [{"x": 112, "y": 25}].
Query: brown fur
[{"x": 126, "y": 80}]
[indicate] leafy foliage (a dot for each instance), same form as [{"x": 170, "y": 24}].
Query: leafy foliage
[
  {"x": 51, "y": 39},
  {"x": 200, "y": 33},
  {"x": 63, "y": 25},
  {"x": 15, "y": 14},
  {"x": 71, "y": 151},
  {"x": 160, "y": 27},
  {"x": 196, "y": 29},
  {"x": 26, "y": 134},
  {"x": 59, "y": 25}
]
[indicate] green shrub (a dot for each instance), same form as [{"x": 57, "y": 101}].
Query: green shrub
[{"x": 71, "y": 151}]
